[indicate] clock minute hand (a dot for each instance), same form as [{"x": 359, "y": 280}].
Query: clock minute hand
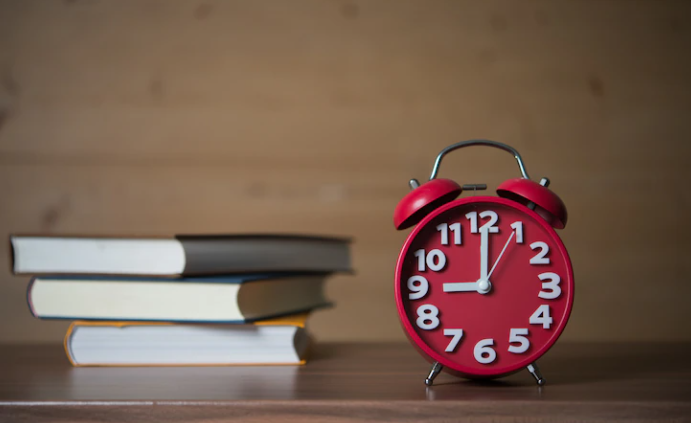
[
  {"x": 484, "y": 254},
  {"x": 501, "y": 254}
]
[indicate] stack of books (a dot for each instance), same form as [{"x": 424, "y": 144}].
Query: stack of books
[{"x": 185, "y": 300}]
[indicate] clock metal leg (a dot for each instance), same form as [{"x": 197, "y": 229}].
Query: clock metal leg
[
  {"x": 535, "y": 371},
  {"x": 433, "y": 372}
]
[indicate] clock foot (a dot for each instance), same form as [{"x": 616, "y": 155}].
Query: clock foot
[
  {"x": 433, "y": 372},
  {"x": 535, "y": 371}
]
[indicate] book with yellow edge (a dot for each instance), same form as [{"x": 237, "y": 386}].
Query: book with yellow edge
[{"x": 281, "y": 341}]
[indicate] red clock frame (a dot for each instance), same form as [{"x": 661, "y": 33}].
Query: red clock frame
[{"x": 433, "y": 354}]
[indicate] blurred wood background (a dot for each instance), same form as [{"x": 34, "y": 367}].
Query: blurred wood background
[{"x": 161, "y": 117}]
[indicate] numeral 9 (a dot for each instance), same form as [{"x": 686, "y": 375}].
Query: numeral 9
[{"x": 418, "y": 287}]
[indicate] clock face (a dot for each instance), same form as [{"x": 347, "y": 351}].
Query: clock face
[{"x": 484, "y": 286}]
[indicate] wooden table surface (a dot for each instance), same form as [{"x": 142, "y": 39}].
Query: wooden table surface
[{"x": 353, "y": 382}]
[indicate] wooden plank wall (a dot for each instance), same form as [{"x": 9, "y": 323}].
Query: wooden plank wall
[{"x": 310, "y": 116}]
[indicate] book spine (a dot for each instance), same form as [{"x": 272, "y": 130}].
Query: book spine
[
  {"x": 11, "y": 250},
  {"x": 66, "y": 344},
  {"x": 29, "y": 302}
]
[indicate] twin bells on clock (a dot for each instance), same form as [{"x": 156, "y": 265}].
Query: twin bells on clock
[{"x": 436, "y": 192}]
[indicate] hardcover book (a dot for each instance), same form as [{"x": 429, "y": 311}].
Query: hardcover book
[
  {"x": 182, "y": 255},
  {"x": 228, "y": 299},
  {"x": 272, "y": 342}
]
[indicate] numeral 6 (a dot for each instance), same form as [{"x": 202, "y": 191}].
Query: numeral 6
[{"x": 483, "y": 352}]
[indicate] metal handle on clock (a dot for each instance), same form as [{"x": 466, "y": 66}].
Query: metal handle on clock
[{"x": 488, "y": 143}]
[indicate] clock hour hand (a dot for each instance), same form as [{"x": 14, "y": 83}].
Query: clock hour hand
[
  {"x": 481, "y": 286},
  {"x": 460, "y": 287}
]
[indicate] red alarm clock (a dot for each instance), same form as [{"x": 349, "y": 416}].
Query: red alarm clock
[{"x": 484, "y": 285}]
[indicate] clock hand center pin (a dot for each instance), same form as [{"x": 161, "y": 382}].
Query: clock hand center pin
[{"x": 484, "y": 286}]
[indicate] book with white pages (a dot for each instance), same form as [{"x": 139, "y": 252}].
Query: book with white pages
[
  {"x": 282, "y": 341},
  {"x": 180, "y": 255},
  {"x": 219, "y": 299}
]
